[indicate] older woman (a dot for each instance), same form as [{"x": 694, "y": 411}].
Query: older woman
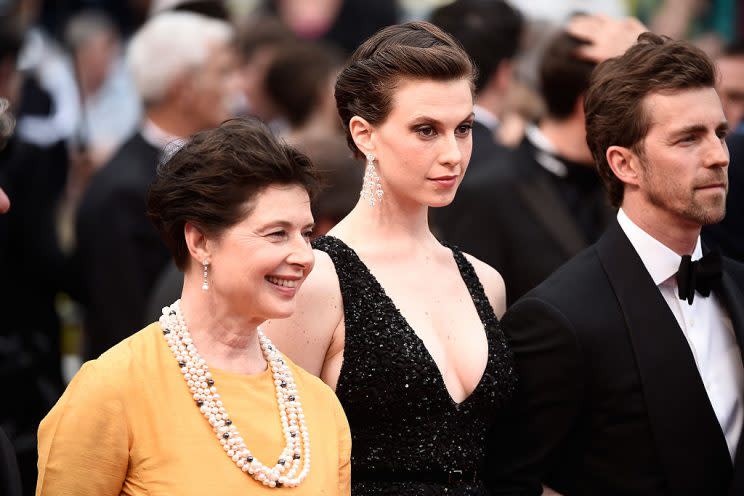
[{"x": 202, "y": 402}]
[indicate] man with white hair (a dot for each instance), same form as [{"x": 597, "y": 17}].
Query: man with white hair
[{"x": 183, "y": 67}]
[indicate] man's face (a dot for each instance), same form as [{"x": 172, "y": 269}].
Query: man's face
[
  {"x": 214, "y": 88},
  {"x": 731, "y": 88},
  {"x": 683, "y": 173}
]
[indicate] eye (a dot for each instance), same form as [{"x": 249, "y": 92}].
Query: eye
[
  {"x": 308, "y": 234},
  {"x": 722, "y": 133},
  {"x": 426, "y": 131},
  {"x": 280, "y": 234},
  {"x": 690, "y": 138},
  {"x": 463, "y": 129}
]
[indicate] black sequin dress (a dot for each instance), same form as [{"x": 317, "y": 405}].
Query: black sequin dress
[{"x": 409, "y": 437}]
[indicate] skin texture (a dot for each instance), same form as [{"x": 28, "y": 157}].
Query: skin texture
[
  {"x": 272, "y": 241},
  {"x": 680, "y": 180}
]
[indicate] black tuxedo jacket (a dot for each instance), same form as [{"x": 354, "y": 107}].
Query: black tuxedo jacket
[
  {"x": 512, "y": 217},
  {"x": 610, "y": 399},
  {"x": 119, "y": 253}
]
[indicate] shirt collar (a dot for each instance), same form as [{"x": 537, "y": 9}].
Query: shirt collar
[
  {"x": 545, "y": 153},
  {"x": 485, "y": 117},
  {"x": 158, "y": 137},
  {"x": 660, "y": 261}
]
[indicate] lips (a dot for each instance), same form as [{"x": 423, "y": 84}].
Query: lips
[{"x": 446, "y": 181}]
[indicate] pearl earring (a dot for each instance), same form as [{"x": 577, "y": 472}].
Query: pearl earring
[
  {"x": 371, "y": 187},
  {"x": 205, "y": 283}
]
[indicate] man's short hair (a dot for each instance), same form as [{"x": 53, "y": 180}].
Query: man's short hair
[
  {"x": 489, "y": 31},
  {"x": 563, "y": 76},
  {"x": 614, "y": 103}
]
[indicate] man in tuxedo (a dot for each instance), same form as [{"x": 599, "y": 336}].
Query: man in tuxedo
[
  {"x": 490, "y": 32},
  {"x": 184, "y": 68},
  {"x": 629, "y": 356}
]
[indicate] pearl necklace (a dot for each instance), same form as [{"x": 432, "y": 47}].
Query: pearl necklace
[{"x": 201, "y": 384}]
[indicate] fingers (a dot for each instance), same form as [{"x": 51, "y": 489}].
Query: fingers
[
  {"x": 606, "y": 37},
  {"x": 4, "y": 202}
]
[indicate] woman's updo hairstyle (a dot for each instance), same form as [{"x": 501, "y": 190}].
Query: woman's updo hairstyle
[{"x": 414, "y": 50}]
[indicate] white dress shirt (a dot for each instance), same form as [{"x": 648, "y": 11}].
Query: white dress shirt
[{"x": 705, "y": 324}]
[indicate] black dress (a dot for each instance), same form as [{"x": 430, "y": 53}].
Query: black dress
[{"x": 408, "y": 435}]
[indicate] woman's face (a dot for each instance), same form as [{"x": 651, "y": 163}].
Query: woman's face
[
  {"x": 424, "y": 145},
  {"x": 258, "y": 265}
]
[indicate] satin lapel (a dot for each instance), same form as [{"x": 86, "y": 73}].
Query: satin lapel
[
  {"x": 733, "y": 299},
  {"x": 544, "y": 202},
  {"x": 688, "y": 437}
]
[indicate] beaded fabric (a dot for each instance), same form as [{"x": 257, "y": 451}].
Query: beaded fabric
[{"x": 403, "y": 420}]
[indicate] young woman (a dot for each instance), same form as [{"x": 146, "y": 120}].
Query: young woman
[{"x": 404, "y": 328}]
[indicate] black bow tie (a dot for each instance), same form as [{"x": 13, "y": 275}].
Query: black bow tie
[{"x": 701, "y": 276}]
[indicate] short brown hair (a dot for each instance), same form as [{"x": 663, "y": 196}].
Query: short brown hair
[
  {"x": 564, "y": 77},
  {"x": 415, "y": 50},
  {"x": 614, "y": 103},
  {"x": 209, "y": 181}
]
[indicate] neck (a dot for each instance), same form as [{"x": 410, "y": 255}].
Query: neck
[
  {"x": 396, "y": 226},
  {"x": 224, "y": 338},
  {"x": 171, "y": 120},
  {"x": 568, "y": 137},
  {"x": 680, "y": 237},
  {"x": 491, "y": 101}
]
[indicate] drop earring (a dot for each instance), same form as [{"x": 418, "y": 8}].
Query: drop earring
[
  {"x": 371, "y": 187},
  {"x": 205, "y": 283}
]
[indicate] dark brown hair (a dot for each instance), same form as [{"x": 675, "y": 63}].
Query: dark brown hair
[
  {"x": 212, "y": 180},
  {"x": 563, "y": 76},
  {"x": 415, "y": 50},
  {"x": 614, "y": 103},
  {"x": 298, "y": 77}
]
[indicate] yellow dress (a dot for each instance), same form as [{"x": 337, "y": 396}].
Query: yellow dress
[{"x": 127, "y": 425}]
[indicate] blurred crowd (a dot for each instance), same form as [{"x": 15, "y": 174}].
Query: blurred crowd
[{"x": 95, "y": 93}]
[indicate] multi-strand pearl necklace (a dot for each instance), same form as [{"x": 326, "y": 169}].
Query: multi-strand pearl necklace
[{"x": 199, "y": 379}]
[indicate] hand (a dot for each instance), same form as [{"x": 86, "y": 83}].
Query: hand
[
  {"x": 4, "y": 202},
  {"x": 549, "y": 492},
  {"x": 606, "y": 37}
]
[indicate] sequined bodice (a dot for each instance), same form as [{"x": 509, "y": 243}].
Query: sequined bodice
[{"x": 403, "y": 420}]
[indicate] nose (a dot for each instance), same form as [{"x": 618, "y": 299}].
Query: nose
[
  {"x": 301, "y": 254},
  {"x": 451, "y": 151},
  {"x": 718, "y": 154}
]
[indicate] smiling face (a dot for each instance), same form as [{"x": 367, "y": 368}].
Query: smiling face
[
  {"x": 683, "y": 173},
  {"x": 423, "y": 147},
  {"x": 258, "y": 265}
]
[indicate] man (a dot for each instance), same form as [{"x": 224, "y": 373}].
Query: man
[
  {"x": 542, "y": 203},
  {"x": 629, "y": 356},
  {"x": 183, "y": 66},
  {"x": 731, "y": 84}
]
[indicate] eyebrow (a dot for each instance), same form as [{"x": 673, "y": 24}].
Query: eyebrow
[
  {"x": 437, "y": 121},
  {"x": 699, "y": 128},
  {"x": 285, "y": 224}
]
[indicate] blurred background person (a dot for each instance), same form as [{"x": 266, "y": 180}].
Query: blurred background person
[
  {"x": 490, "y": 32},
  {"x": 730, "y": 65},
  {"x": 183, "y": 65},
  {"x": 33, "y": 266}
]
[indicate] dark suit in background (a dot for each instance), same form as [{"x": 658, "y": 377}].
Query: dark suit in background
[
  {"x": 728, "y": 235},
  {"x": 524, "y": 220},
  {"x": 10, "y": 479},
  {"x": 611, "y": 401},
  {"x": 119, "y": 254}
]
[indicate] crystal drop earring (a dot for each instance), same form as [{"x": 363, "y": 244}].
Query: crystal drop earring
[
  {"x": 205, "y": 283},
  {"x": 371, "y": 187}
]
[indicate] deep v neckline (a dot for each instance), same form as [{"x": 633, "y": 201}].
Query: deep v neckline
[{"x": 414, "y": 334}]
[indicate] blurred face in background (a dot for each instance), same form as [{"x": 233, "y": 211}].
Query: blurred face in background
[
  {"x": 731, "y": 88},
  {"x": 214, "y": 90}
]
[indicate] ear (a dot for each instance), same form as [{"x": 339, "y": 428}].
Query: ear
[
  {"x": 197, "y": 243},
  {"x": 361, "y": 133},
  {"x": 624, "y": 163}
]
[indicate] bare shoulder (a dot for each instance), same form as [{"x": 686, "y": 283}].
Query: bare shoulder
[
  {"x": 492, "y": 282},
  {"x": 307, "y": 335}
]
